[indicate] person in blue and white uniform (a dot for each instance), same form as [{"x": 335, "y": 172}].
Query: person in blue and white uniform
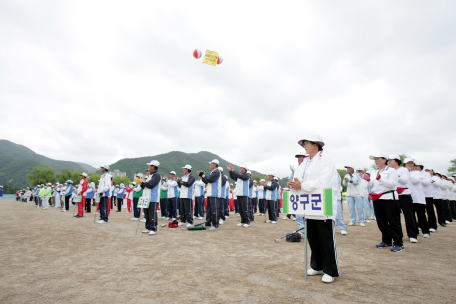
[
  {"x": 186, "y": 193},
  {"x": 214, "y": 187},
  {"x": 199, "y": 198},
  {"x": 242, "y": 192},
  {"x": 351, "y": 181},
  {"x": 271, "y": 199},
  {"x": 173, "y": 194},
  {"x": 151, "y": 188}
]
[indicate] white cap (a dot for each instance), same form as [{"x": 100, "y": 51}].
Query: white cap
[
  {"x": 360, "y": 169},
  {"x": 373, "y": 156},
  {"x": 276, "y": 178},
  {"x": 255, "y": 181},
  {"x": 394, "y": 156},
  {"x": 105, "y": 166},
  {"x": 429, "y": 168},
  {"x": 444, "y": 174},
  {"x": 312, "y": 137},
  {"x": 154, "y": 163},
  {"x": 172, "y": 172},
  {"x": 418, "y": 163},
  {"x": 244, "y": 167},
  {"x": 214, "y": 161},
  {"x": 438, "y": 172},
  {"x": 56, "y": 183},
  {"x": 302, "y": 153},
  {"x": 84, "y": 174},
  {"x": 187, "y": 167},
  {"x": 262, "y": 180},
  {"x": 451, "y": 178},
  {"x": 248, "y": 172},
  {"x": 220, "y": 169},
  {"x": 140, "y": 175},
  {"x": 270, "y": 173},
  {"x": 350, "y": 166},
  {"x": 408, "y": 159}
]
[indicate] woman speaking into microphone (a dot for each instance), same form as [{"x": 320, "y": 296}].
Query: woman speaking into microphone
[
  {"x": 383, "y": 183},
  {"x": 318, "y": 173}
]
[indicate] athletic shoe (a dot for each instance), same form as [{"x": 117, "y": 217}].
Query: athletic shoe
[
  {"x": 201, "y": 218},
  {"x": 240, "y": 224},
  {"x": 285, "y": 218},
  {"x": 268, "y": 221},
  {"x": 273, "y": 222},
  {"x": 119, "y": 211},
  {"x": 173, "y": 219},
  {"x": 146, "y": 231},
  {"x": 135, "y": 219},
  {"x": 168, "y": 218},
  {"x": 312, "y": 272},
  {"x": 227, "y": 217},
  {"x": 246, "y": 225},
  {"x": 94, "y": 213},
  {"x": 303, "y": 236},
  {"x": 362, "y": 224},
  {"x": 367, "y": 221},
  {"x": 143, "y": 220},
  {"x": 447, "y": 222},
  {"x": 221, "y": 222},
  {"x": 189, "y": 225},
  {"x": 101, "y": 222},
  {"x": 77, "y": 216},
  {"x": 327, "y": 278},
  {"x": 383, "y": 245},
  {"x": 213, "y": 228},
  {"x": 351, "y": 224},
  {"x": 426, "y": 235},
  {"x": 443, "y": 225},
  {"x": 397, "y": 248},
  {"x": 413, "y": 240},
  {"x": 343, "y": 232},
  {"x": 294, "y": 219},
  {"x": 419, "y": 228},
  {"x": 432, "y": 230},
  {"x": 181, "y": 224},
  {"x": 152, "y": 232},
  {"x": 207, "y": 227},
  {"x": 194, "y": 217}
]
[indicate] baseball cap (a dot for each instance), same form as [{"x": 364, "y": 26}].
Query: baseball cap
[
  {"x": 105, "y": 166},
  {"x": 373, "y": 156},
  {"x": 84, "y": 174},
  {"x": 394, "y": 156},
  {"x": 172, "y": 172},
  {"x": 349, "y": 166},
  {"x": 302, "y": 153},
  {"x": 214, "y": 161},
  {"x": 154, "y": 163},
  {"x": 187, "y": 167},
  {"x": 408, "y": 159}
]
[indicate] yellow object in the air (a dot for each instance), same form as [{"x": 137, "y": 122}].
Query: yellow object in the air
[{"x": 211, "y": 58}]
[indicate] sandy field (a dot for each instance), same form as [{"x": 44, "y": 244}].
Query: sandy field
[{"x": 47, "y": 256}]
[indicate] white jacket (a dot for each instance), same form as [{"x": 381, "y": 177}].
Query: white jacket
[
  {"x": 426, "y": 182},
  {"x": 416, "y": 185},
  {"x": 443, "y": 187},
  {"x": 362, "y": 188},
  {"x": 403, "y": 181},
  {"x": 387, "y": 182},
  {"x": 437, "y": 191},
  {"x": 105, "y": 184},
  {"x": 320, "y": 173}
]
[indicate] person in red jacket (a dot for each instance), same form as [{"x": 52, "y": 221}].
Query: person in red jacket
[{"x": 83, "y": 185}]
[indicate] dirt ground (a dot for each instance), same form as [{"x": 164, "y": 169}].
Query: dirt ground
[{"x": 47, "y": 256}]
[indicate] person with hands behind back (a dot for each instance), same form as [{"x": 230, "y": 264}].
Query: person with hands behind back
[{"x": 213, "y": 192}]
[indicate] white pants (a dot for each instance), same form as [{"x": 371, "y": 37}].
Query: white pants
[
  {"x": 57, "y": 201},
  {"x": 46, "y": 202},
  {"x": 124, "y": 203},
  {"x": 28, "y": 199}
]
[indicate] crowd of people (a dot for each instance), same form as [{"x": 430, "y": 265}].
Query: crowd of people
[{"x": 382, "y": 195}]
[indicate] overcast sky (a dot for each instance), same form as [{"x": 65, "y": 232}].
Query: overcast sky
[{"x": 97, "y": 81}]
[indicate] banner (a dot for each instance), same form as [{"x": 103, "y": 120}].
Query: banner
[
  {"x": 97, "y": 198},
  {"x": 144, "y": 202},
  {"x": 211, "y": 58},
  {"x": 77, "y": 198},
  {"x": 318, "y": 202}
]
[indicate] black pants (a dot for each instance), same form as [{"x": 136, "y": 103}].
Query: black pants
[
  {"x": 199, "y": 206},
  {"x": 171, "y": 207},
  {"x": 119, "y": 204},
  {"x": 151, "y": 216},
  {"x": 226, "y": 207},
  {"x": 250, "y": 208},
  {"x": 112, "y": 201},
  {"x": 163, "y": 210},
  {"x": 278, "y": 208},
  {"x": 406, "y": 204},
  {"x": 136, "y": 210},
  {"x": 243, "y": 209},
  {"x": 453, "y": 209},
  {"x": 446, "y": 210},
  {"x": 220, "y": 207},
  {"x": 88, "y": 204},
  {"x": 272, "y": 210},
  {"x": 388, "y": 217},
  {"x": 211, "y": 212},
  {"x": 432, "y": 221},
  {"x": 254, "y": 204},
  {"x": 104, "y": 208},
  {"x": 67, "y": 202},
  {"x": 420, "y": 211},
  {"x": 261, "y": 207},
  {"x": 322, "y": 242},
  {"x": 186, "y": 207},
  {"x": 236, "y": 206}
]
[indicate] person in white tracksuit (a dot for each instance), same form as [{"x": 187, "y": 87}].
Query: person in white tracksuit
[
  {"x": 351, "y": 181},
  {"x": 57, "y": 195},
  {"x": 364, "y": 193},
  {"x": 446, "y": 185}
]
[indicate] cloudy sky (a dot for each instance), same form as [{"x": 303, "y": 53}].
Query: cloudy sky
[{"x": 97, "y": 81}]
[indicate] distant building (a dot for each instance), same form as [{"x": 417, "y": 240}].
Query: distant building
[{"x": 118, "y": 173}]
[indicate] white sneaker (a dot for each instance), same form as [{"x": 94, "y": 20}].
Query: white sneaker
[
  {"x": 194, "y": 217},
  {"x": 327, "y": 278},
  {"x": 101, "y": 222},
  {"x": 189, "y": 225},
  {"x": 294, "y": 219},
  {"x": 446, "y": 222},
  {"x": 368, "y": 221},
  {"x": 173, "y": 219},
  {"x": 413, "y": 240},
  {"x": 268, "y": 221},
  {"x": 146, "y": 231},
  {"x": 343, "y": 232},
  {"x": 152, "y": 232},
  {"x": 227, "y": 217},
  {"x": 432, "y": 230},
  {"x": 285, "y": 218},
  {"x": 94, "y": 213},
  {"x": 273, "y": 222},
  {"x": 221, "y": 222},
  {"x": 362, "y": 224},
  {"x": 426, "y": 235},
  {"x": 240, "y": 224},
  {"x": 181, "y": 224},
  {"x": 351, "y": 224},
  {"x": 246, "y": 225},
  {"x": 312, "y": 272},
  {"x": 419, "y": 229},
  {"x": 143, "y": 220},
  {"x": 135, "y": 219},
  {"x": 201, "y": 218}
]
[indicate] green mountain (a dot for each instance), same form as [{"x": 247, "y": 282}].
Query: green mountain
[
  {"x": 174, "y": 161},
  {"x": 16, "y": 160}
]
